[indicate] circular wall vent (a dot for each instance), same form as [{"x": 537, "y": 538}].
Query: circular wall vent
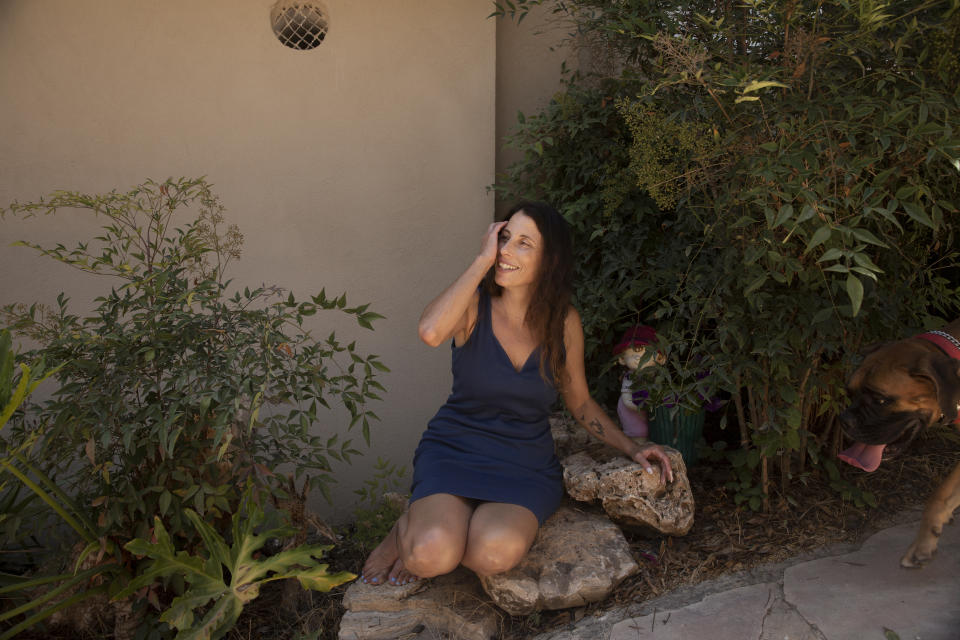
[{"x": 299, "y": 25}]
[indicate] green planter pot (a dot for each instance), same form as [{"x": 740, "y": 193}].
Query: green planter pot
[{"x": 682, "y": 432}]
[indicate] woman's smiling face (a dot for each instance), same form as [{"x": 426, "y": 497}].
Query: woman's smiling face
[{"x": 519, "y": 255}]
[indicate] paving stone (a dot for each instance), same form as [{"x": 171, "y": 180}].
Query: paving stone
[
  {"x": 858, "y": 595},
  {"x": 733, "y": 614},
  {"x": 851, "y": 595},
  {"x": 783, "y": 622}
]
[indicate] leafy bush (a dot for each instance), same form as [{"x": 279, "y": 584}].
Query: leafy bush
[
  {"x": 178, "y": 389},
  {"x": 226, "y": 576},
  {"x": 22, "y": 499},
  {"x": 381, "y": 504},
  {"x": 771, "y": 186}
]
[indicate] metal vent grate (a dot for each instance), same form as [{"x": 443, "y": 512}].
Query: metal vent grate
[{"x": 299, "y": 25}]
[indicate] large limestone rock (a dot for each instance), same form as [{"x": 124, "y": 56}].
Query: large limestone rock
[
  {"x": 577, "y": 558},
  {"x": 453, "y": 605},
  {"x": 629, "y": 495}
]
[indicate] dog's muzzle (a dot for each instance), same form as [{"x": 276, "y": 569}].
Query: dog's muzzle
[{"x": 872, "y": 431}]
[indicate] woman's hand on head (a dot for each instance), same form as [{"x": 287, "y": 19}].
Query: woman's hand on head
[
  {"x": 650, "y": 453},
  {"x": 491, "y": 242}
]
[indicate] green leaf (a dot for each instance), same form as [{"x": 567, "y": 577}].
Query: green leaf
[
  {"x": 6, "y": 368},
  {"x": 865, "y": 235},
  {"x": 164, "y": 501},
  {"x": 205, "y": 575},
  {"x": 867, "y": 272},
  {"x": 756, "y": 284},
  {"x": 837, "y": 268},
  {"x": 757, "y": 85},
  {"x": 831, "y": 254},
  {"x": 785, "y": 213},
  {"x": 822, "y": 316},
  {"x": 317, "y": 579},
  {"x": 166, "y": 560},
  {"x": 181, "y": 614},
  {"x": 899, "y": 115},
  {"x": 855, "y": 292},
  {"x": 820, "y": 236},
  {"x": 806, "y": 213},
  {"x": 864, "y": 261},
  {"x": 916, "y": 212},
  {"x": 17, "y": 397},
  {"x": 214, "y": 544}
]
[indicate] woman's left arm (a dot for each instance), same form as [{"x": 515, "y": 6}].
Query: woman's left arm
[{"x": 576, "y": 395}]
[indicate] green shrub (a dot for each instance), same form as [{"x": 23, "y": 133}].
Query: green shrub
[
  {"x": 381, "y": 503},
  {"x": 180, "y": 388},
  {"x": 25, "y": 492},
  {"x": 771, "y": 186},
  {"x": 225, "y": 576}
]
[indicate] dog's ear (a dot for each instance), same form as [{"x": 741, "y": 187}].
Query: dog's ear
[
  {"x": 855, "y": 381},
  {"x": 944, "y": 373},
  {"x": 949, "y": 391},
  {"x": 859, "y": 373},
  {"x": 874, "y": 346}
]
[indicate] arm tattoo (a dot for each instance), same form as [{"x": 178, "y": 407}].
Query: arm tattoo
[{"x": 596, "y": 426}]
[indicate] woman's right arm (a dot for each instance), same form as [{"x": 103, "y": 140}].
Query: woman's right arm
[{"x": 448, "y": 315}]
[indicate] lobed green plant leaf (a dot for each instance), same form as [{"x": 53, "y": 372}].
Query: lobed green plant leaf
[{"x": 210, "y": 606}]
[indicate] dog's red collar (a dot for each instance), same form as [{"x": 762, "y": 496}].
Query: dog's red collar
[
  {"x": 946, "y": 342},
  {"x": 949, "y": 345}
]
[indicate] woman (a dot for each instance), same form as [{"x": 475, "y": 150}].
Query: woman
[{"x": 485, "y": 472}]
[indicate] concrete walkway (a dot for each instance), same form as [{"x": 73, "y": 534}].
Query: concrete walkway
[{"x": 854, "y": 594}]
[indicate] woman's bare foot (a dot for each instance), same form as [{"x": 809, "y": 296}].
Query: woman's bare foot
[{"x": 384, "y": 563}]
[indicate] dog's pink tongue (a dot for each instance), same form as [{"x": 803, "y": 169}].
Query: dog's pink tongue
[{"x": 863, "y": 456}]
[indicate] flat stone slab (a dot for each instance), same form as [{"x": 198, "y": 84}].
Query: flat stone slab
[
  {"x": 734, "y": 614},
  {"x": 453, "y": 605},
  {"x": 860, "y": 594},
  {"x": 850, "y": 596},
  {"x": 577, "y": 558}
]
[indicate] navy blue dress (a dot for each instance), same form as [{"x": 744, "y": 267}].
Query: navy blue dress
[{"x": 491, "y": 441}]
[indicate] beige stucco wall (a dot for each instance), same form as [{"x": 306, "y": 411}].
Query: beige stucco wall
[
  {"x": 360, "y": 166},
  {"x": 529, "y": 58}
]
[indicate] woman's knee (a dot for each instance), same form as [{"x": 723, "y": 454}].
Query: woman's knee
[
  {"x": 494, "y": 552},
  {"x": 432, "y": 551}
]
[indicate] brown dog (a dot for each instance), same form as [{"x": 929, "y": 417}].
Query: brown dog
[{"x": 901, "y": 388}]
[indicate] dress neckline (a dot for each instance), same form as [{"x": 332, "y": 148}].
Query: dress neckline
[{"x": 493, "y": 333}]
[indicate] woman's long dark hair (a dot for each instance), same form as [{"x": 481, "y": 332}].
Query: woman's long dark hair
[{"x": 551, "y": 296}]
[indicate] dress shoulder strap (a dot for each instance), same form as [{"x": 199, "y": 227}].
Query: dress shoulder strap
[
  {"x": 481, "y": 323},
  {"x": 483, "y": 311}
]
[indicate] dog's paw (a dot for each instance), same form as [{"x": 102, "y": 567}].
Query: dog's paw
[
  {"x": 919, "y": 553},
  {"x": 911, "y": 560}
]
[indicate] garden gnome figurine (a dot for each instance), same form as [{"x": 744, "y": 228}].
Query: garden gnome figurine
[{"x": 629, "y": 352}]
